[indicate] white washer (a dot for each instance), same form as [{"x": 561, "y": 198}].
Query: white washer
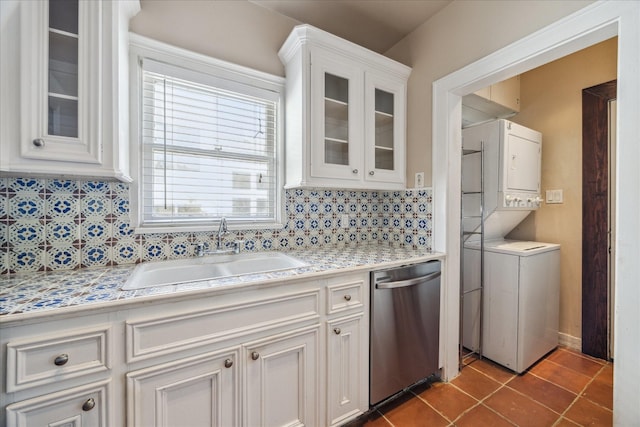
[{"x": 520, "y": 298}]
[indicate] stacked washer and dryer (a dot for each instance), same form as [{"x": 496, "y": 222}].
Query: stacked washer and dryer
[{"x": 515, "y": 317}]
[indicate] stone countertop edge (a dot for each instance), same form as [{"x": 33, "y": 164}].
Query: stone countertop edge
[{"x": 398, "y": 257}]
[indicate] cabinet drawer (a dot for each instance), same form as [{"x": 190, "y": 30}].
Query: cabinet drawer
[
  {"x": 80, "y": 406},
  {"x": 345, "y": 296},
  {"x": 169, "y": 334},
  {"x": 71, "y": 354}
]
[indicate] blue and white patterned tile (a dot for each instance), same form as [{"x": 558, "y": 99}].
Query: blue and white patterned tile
[
  {"x": 95, "y": 230},
  {"x": 25, "y": 185},
  {"x": 155, "y": 250},
  {"x": 96, "y": 204},
  {"x": 62, "y": 257},
  {"x": 62, "y": 206},
  {"x": 120, "y": 189},
  {"x": 62, "y": 231},
  {"x": 25, "y": 259},
  {"x": 95, "y": 255},
  {"x": 4, "y": 203},
  {"x": 180, "y": 247},
  {"x": 95, "y": 187},
  {"x": 26, "y": 233},
  {"x": 121, "y": 207},
  {"x": 126, "y": 251},
  {"x": 122, "y": 229},
  {"x": 61, "y": 186},
  {"x": 26, "y": 206},
  {"x": 46, "y": 302},
  {"x": 4, "y": 260}
]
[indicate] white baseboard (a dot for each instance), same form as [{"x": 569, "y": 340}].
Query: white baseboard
[{"x": 566, "y": 340}]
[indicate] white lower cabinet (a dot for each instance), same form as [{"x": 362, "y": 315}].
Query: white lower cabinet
[
  {"x": 346, "y": 380},
  {"x": 86, "y": 406},
  {"x": 281, "y": 380},
  {"x": 293, "y": 354},
  {"x": 200, "y": 391}
]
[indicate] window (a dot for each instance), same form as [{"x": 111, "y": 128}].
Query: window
[{"x": 209, "y": 144}]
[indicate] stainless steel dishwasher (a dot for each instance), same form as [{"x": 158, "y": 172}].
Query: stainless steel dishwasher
[{"x": 405, "y": 325}]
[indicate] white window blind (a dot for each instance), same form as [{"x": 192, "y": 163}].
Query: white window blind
[{"x": 208, "y": 148}]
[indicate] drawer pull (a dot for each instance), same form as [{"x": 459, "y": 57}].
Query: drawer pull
[
  {"x": 255, "y": 355},
  {"x": 347, "y": 297},
  {"x": 228, "y": 363},
  {"x": 89, "y": 404},
  {"x": 61, "y": 360},
  {"x": 337, "y": 331}
]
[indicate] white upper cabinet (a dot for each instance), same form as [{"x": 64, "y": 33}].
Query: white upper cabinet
[
  {"x": 345, "y": 121},
  {"x": 64, "y": 66},
  {"x": 501, "y": 100}
]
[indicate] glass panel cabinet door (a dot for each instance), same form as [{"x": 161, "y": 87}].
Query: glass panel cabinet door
[
  {"x": 385, "y": 128},
  {"x": 61, "y": 91},
  {"x": 336, "y": 109},
  {"x": 62, "y": 117}
]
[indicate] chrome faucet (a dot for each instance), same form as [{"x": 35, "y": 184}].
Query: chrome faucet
[
  {"x": 202, "y": 248},
  {"x": 222, "y": 230}
]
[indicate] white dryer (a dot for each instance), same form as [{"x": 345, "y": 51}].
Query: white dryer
[{"x": 521, "y": 300}]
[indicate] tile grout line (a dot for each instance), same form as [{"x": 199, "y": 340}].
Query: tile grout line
[{"x": 582, "y": 391}]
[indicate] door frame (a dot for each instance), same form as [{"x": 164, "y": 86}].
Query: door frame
[
  {"x": 594, "y": 23},
  {"x": 595, "y": 223}
]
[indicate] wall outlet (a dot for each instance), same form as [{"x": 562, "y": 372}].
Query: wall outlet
[
  {"x": 344, "y": 221},
  {"x": 554, "y": 197},
  {"x": 419, "y": 181}
]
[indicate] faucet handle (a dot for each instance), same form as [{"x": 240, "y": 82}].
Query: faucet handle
[
  {"x": 237, "y": 246},
  {"x": 200, "y": 247}
]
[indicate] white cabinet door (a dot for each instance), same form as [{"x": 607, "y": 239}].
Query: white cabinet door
[
  {"x": 385, "y": 123},
  {"x": 336, "y": 115},
  {"x": 85, "y": 406},
  {"x": 201, "y": 391},
  {"x": 64, "y": 106},
  {"x": 347, "y": 368},
  {"x": 281, "y": 380}
]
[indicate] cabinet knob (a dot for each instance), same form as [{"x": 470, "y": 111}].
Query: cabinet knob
[
  {"x": 61, "y": 360},
  {"x": 347, "y": 297},
  {"x": 372, "y": 172},
  {"x": 89, "y": 404},
  {"x": 255, "y": 355},
  {"x": 355, "y": 171},
  {"x": 228, "y": 363},
  {"x": 38, "y": 142},
  {"x": 337, "y": 331}
]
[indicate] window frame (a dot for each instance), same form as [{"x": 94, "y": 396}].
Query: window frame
[{"x": 232, "y": 75}]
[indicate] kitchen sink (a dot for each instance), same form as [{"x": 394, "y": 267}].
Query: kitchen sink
[{"x": 173, "y": 272}]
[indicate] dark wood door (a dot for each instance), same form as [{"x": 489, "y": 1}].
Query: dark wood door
[{"x": 595, "y": 224}]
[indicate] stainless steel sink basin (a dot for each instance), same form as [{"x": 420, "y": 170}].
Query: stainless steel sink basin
[{"x": 173, "y": 272}]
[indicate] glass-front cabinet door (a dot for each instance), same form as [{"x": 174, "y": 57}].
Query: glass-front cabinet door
[
  {"x": 60, "y": 41},
  {"x": 336, "y": 109},
  {"x": 385, "y": 128}
]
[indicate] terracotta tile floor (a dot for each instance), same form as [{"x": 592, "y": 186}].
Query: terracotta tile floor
[{"x": 566, "y": 388}]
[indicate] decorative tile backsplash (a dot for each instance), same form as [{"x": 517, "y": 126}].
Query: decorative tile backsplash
[{"x": 51, "y": 224}]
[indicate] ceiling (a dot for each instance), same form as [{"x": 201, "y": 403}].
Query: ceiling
[{"x": 374, "y": 24}]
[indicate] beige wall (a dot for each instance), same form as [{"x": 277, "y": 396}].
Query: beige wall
[
  {"x": 460, "y": 34},
  {"x": 551, "y": 102},
  {"x": 232, "y": 30}
]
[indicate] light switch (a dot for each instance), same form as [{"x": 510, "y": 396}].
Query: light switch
[{"x": 554, "y": 197}]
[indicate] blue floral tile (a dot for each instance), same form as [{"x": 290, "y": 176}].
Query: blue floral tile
[
  {"x": 126, "y": 251},
  {"x": 25, "y": 185},
  {"x": 4, "y": 205},
  {"x": 26, "y": 233},
  {"x": 26, "y": 206},
  {"x": 155, "y": 250},
  {"x": 63, "y": 231},
  {"x": 96, "y": 255},
  {"x": 62, "y": 206},
  {"x": 100, "y": 187},
  {"x": 62, "y": 257},
  {"x": 95, "y": 230},
  {"x": 61, "y": 186},
  {"x": 96, "y": 205},
  {"x": 25, "y": 258}
]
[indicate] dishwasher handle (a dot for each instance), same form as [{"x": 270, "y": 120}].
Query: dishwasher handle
[{"x": 408, "y": 282}]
